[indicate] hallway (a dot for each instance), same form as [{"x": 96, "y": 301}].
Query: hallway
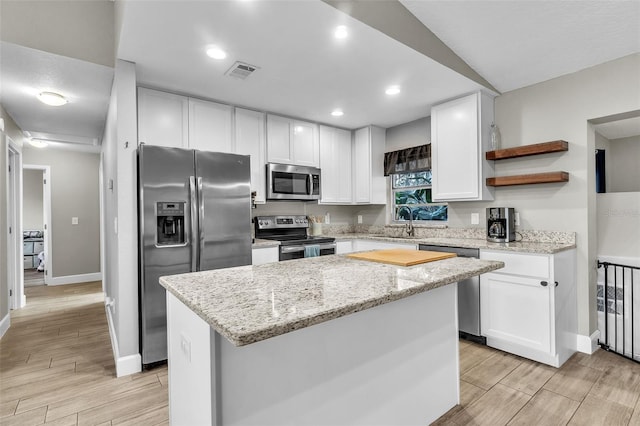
[{"x": 56, "y": 365}]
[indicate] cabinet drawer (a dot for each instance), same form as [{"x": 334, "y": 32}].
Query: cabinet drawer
[
  {"x": 38, "y": 247},
  {"x": 529, "y": 265},
  {"x": 27, "y": 262},
  {"x": 27, "y": 248}
]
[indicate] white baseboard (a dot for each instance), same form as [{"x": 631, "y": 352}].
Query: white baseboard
[
  {"x": 588, "y": 344},
  {"x": 74, "y": 279},
  {"x": 125, "y": 365},
  {"x": 4, "y": 324}
]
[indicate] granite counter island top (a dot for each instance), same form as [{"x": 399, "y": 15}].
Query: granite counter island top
[{"x": 248, "y": 304}]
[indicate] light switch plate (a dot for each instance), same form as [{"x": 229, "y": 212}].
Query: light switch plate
[
  {"x": 517, "y": 219},
  {"x": 74, "y": 220},
  {"x": 475, "y": 218},
  {"x": 359, "y": 218}
]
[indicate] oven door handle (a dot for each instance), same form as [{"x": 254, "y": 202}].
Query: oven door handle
[{"x": 295, "y": 249}]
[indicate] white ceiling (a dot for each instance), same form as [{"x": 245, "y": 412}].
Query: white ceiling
[
  {"x": 514, "y": 44},
  {"x": 620, "y": 129},
  {"x": 26, "y": 72},
  {"x": 304, "y": 71}
]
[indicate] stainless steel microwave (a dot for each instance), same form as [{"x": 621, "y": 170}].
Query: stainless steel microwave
[{"x": 288, "y": 182}]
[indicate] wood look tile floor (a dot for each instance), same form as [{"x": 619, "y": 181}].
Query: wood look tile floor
[
  {"x": 497, "y": 388},
  {"x": 56, "y": 367}
]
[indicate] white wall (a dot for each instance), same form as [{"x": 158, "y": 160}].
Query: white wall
[
  {"x": 624, "y": 155},
  {"x": 32, "y": 195},
  {"x": 74, "y": 193},
  {"x": 619, "y": 224},
  {"x": 120, "y": 218}
]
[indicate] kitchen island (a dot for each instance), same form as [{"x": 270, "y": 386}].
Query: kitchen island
[{"x": 327, "y": 340}]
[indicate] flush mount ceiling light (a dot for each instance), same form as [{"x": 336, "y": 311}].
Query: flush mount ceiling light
[
  {"x": 37, "y": 143},
  {"x": 392, "y": 90},
  {"x": 216, "y": 53},
  {"x": 337, "y": 113},
  {"x": 52, "y": 98},
  {"x": 341, "y": 32}
]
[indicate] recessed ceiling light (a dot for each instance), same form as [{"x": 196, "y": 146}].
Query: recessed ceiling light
[
  {"x": 337, "y": 113},
  {"x": 341, "y": 32},
  {"x": 392, "y": 90},
  {"x": 216, "y": 53},
  {"x": 52, "y": 98},
  {"x": 37, "y": 143}
]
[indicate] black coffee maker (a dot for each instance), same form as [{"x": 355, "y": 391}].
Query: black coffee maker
[{"x": 501, "y": 224}]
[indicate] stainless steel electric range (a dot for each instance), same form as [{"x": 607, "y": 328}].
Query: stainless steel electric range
[{"x": 291, "y": 231}]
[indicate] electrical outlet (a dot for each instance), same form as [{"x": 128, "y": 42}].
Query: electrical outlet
[
  {"x": 327, "y": 218},
  {"x": 185, "y": 346},
  {"x": 359, "y": 218},
  {"x": 475, "y": 218},
  {"x": 517, "y": 219},
  {"x": 74, "y": 220}
]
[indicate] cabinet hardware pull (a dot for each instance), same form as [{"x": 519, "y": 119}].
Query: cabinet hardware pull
[
  {"x": 544, "y": 283},
  {"x": 556, "y": 283}
]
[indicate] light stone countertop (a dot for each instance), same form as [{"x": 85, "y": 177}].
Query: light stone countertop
[
  {"x": 260, "y": 243},
  {"x": 522, "y": 246},
  {"x": 247, "y": 304}
]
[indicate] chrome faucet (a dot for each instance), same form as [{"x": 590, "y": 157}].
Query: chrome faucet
[{"x": 409, "y": 226}]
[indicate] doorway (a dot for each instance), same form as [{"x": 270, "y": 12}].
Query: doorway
[
  {"x": 36, "y": 212},
  {"x": 14, "y": 222}
]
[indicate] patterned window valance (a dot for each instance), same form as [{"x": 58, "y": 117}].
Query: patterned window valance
[{"x": 414, "y": 159}]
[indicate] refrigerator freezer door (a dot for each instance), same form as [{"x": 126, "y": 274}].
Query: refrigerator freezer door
[
  {"x": 163, "y": 181},
  {"x": 225, "y": 210}
]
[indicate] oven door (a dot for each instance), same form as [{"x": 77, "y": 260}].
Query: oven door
[{"x": 297, "y": 251}]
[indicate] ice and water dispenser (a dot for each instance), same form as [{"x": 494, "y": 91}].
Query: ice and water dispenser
[{"x": 170, "y": 219}]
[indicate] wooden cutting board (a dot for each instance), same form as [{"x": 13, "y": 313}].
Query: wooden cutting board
[{"x": 401, "y": 257}]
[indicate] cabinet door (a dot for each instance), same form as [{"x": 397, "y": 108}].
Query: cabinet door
[
  {"x": 343, "y": 247},
  {"x": 305, "y": 147},
  {"x": 163, "y": 118},
  {"x": 362, "y": 165},
  {"x": 279, "y": 140},
  {"x": 516, "y": 310},
  {"x": 455, "y": 149},
  {"x": 261, "y": 256},
  {"x": 210, "y": 126},
  {"x": 250, "y": 140},
  {"x": 335, "y": 162}
]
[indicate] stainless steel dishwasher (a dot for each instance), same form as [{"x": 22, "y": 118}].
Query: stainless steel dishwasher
[{"x": 468, "y": 295}]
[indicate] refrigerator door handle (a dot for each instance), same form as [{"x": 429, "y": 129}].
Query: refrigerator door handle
[
  {"x": 194, "y": 223},
  {"x": 201, "y": 222}
]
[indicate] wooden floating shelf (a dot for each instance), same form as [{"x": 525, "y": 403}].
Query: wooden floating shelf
[
  {"x": 551, "y": 177},
  {"x": 526, "y": 150}
]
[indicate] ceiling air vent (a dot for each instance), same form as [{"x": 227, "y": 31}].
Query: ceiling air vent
[{"x": 241, "y": 70}]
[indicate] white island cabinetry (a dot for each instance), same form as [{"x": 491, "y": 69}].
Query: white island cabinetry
[
  {"x": 459, "y": 139},
  {"x": 528, "y": 308}
]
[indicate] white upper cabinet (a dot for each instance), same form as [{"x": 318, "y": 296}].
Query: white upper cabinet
[
  {"x": 250, "y": 140},
  {"x": 459, "y": 140},
  {"x": 163, "y": 118},
  {"x": 210, "y": 126},
  {"x": 335, "y": 165},
  {"x": 370, "y": 185},
  {"x": 292, "y": 141}
]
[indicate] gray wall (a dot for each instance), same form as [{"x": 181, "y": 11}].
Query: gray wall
[
  {"x": 75, "y": 249},
  {"x": 413, "y": 133},
  {"x": 624, "y": 157},
  {"x": 32, "y": 198}
]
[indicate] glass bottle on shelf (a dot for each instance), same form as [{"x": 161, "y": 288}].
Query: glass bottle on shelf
[{"x": 495, "y": 137}]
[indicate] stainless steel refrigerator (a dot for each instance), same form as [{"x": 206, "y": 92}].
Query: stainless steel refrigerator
[{"x": 194, "y": 209}]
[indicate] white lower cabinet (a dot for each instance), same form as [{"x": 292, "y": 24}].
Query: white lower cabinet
[
  {"x": 524, "y": 312},
  {"x": 263, "y": 255},
  {"x": 343, "y": 247}
]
